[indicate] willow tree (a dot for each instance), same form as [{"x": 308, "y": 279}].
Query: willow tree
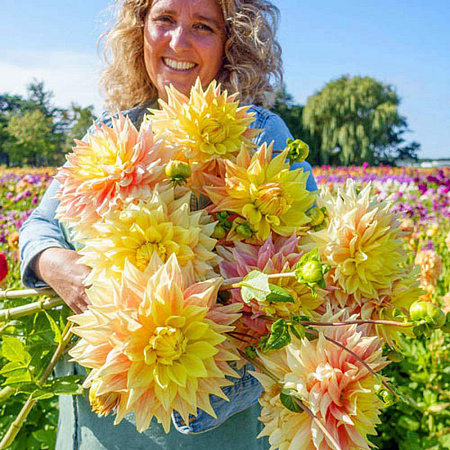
[{"x": 355, "y": 119}]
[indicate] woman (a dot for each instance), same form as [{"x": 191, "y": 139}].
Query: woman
[{"x": 155, "y": 44}]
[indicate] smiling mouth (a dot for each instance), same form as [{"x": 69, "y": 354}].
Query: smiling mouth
[{"x": 181, "y": 66}]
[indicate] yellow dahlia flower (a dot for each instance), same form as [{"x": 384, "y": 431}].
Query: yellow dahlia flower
[
  {"x": 116, "y": 164},
  {"x": 335, "y": 386},
  {"x": 156, "y": 340},
  {"x": 163, "y": 225},
  {"x": 264, "y": 191},
  {"x": 207, "y": 125},
  {"x": 362, "y": 243}
]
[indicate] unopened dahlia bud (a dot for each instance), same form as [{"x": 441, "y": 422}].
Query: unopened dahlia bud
[
  {"x": 244, "y": 230},
  {"x": 178, "y": 171}
]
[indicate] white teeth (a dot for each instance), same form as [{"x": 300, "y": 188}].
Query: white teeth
[{"x": 178, "y": 65}]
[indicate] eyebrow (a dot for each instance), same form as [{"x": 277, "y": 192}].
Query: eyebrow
[{"x": 201, "y": 17}]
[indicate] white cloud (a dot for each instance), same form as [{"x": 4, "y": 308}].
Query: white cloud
[{"x": 73, "y": 77}]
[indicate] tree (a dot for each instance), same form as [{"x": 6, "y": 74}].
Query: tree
[
  {"x": 356, "y": 120},
  {"x": 33, "y": 141},
  {"x": 80, "y": 120}
]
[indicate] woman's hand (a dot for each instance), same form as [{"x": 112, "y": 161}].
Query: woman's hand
[{"x": 59, "y": 269}]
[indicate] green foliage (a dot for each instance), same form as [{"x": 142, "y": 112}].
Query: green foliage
[
  {"x": 423, "y": 376},
  {"x": 356, "y": 120},
  {"x": 279, "y": 336},
  {"x": 290, "y": 399},
  {"x": 34, "y": 132},
  {"x": 255, "y": 285}
]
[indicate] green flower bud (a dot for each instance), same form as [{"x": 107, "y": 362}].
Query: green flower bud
[
  {"x": 219, "y": 232},
  {"x": 298, "y": 150},
  {"x": 244, "y": 230},
  {"x": 312, "y": 271},
  {"x": 429, "y": 312},
  {"x": 178, "y": 171}
]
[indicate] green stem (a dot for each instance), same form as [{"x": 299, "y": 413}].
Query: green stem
[
  {"x": 31, "y": 308},
  {"x": 17, "y": 424},
  {"x": 9, "y": 294},
  {"x": 5, "y": 393}
]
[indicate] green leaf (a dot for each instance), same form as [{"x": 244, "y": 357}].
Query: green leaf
[
  {"x": 54, "y": 327},
  {"x": 289, "y": 398},
  {"x": 15, "y": 373},
  {"x": 67, "y": 385},
  {"x": 255, "y": 285},
  {"x": 14, "y": 350},
  {"x": 42, "y": 394},
  {"x": 298, "y": 331},
  {"x": 279, "y": 336},
  {"x": 279, "y": 295}
]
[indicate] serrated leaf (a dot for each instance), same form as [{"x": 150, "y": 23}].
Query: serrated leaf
[
  {"x": 279, "y": 295},
  {"x": 14, "y": 350},
  {"x": 279, "y": 336},
  {"x": 54, "y": 327},
  {"x": 255, "y": 285},
  {"x": 289, "y": 398}
]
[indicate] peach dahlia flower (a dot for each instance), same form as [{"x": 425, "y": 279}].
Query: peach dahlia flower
[
  {"x": 116, "y": 164},
  {"x": 334, "y": 385},
  {"x": 155, "y": 342}
]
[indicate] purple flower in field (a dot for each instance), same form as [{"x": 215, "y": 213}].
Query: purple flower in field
[
  {"x": 9, "y": 195},
  {"x": 35, "y": 201}
]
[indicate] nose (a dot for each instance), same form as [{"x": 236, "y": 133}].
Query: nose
[{"x": 180, "y": 38}]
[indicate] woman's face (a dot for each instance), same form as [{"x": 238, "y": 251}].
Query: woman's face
[{"x": 183, "y": 40}]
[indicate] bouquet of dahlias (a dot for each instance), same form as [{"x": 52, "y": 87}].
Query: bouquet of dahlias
[{"x": 206, "y": 250}]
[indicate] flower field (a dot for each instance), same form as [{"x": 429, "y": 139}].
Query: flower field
[{"x": 422, "y": 196}]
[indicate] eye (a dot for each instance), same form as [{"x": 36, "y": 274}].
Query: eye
[
  {"x": 203, "y": 27},
  {"x": 163, "y": 19}
]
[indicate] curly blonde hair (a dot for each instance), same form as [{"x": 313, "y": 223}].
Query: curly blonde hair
[{"x": 252, "y": 63}]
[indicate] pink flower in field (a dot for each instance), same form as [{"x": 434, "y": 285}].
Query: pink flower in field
[
  {"x": 334, "y": 385},
  {"x": 116, "y": 164}
]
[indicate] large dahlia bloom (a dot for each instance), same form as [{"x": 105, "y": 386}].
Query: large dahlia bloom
[
  {"x": 362, "y": 243},
  {"x": 275, "y": 256},
  {"x": 155, "y": 343},
  {"x": 116, "y": 164},
  {"x": 163, "y": 225},
  {"x": 206, "y": 126},
  {"x": 333, "y": 384},
  {"x": 264, "y": 191}
]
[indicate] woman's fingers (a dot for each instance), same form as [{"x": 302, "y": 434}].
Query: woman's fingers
[{"x": 59, "y": 268}]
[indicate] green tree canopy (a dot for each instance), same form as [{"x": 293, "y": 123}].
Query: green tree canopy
[{"x": 356, "y": 119}]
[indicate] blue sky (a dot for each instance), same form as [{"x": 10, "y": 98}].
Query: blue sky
[{"x": 401, "y": 42}]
